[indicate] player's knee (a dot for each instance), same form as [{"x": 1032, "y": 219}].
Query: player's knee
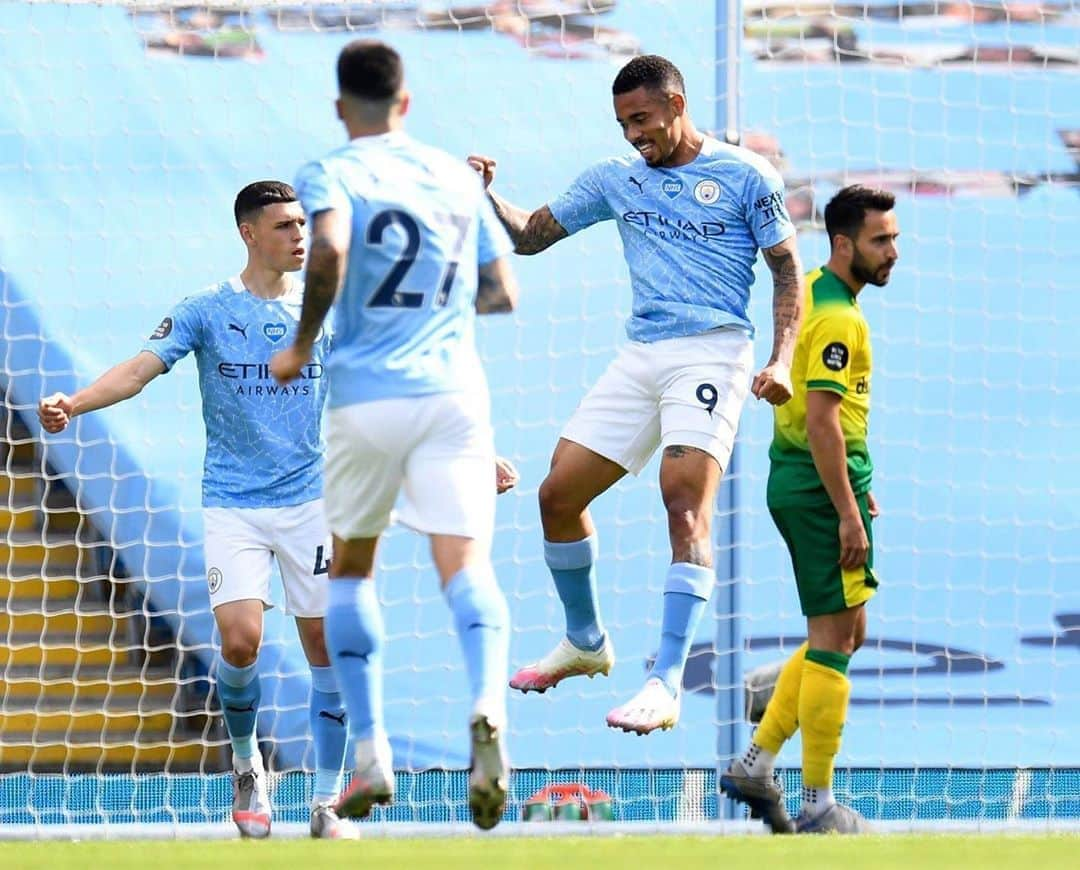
[
  {"x": 239, "y": 647},
  {"x": 556, "y": 502},
  {"x": 687, "y": 519}
]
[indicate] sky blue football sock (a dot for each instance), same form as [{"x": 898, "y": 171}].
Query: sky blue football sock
[
  {"x": 354, "y": 637},
  {"x": 483, "y": 627},
  {"x": 686, "y": 592},
  {"x": 572, "y": 569},
  {"x": 239, "y": 691},
  {"x": 329, "y": 733}
]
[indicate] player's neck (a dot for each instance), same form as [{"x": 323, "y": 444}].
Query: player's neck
[
  {"x": 689, "y": 147},
  {"x": 265, "y": 283},
  {"x": 844, "y": 274},
  {"x": 361, "y": 129}
]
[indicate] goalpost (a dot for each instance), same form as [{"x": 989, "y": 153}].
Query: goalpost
[{"x": 128, "y": 131}]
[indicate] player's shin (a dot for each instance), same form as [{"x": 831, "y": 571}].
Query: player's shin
[
  {"x": 781, "y": 718},
  {"x": 482, "y": 621},
  {"x": 572, "y": 567},
  {"x": 354, "y": 639},
  {"x": 823, "y": 702},
  {"x": 686, "y": 592},
  {"x": 239, "y": 692},
  {"x": 329, "y": 733}
]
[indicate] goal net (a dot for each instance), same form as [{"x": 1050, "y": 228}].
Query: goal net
[{"x": 126, "y": 133}]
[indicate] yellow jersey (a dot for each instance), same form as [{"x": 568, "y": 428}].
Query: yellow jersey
[{"x": 832, "y": 353}]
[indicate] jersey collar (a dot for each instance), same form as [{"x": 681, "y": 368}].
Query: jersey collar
[{"x": 829, "y": 287}]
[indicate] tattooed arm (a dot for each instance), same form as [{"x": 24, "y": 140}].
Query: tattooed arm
[
  {"x": 773, "y": 383},
  {"x": 531, "y": 232}
]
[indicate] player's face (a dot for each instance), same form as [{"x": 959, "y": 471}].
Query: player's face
[
  {"x": 278, "y": 235},
  {"x": 651, "y": 121},
  {"x": 875, "y": 252}
]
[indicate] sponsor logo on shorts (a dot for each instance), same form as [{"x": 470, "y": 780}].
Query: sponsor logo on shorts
[
  {"x": 835, "y": 356},
  {"x": 707, "y": 191},
  {"x": 213, "y": 580},
  {"x": 163, "y": 330}
]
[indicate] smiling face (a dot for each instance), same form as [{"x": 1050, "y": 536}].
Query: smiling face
[
  {"x": 652, "y": 121},
  {"x": 275, "y": 236}
]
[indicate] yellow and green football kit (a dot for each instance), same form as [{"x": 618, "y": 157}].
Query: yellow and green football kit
[{"x": 832, "y": 353}]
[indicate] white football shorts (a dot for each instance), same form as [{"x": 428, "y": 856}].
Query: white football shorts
[
  {"x": 437, "y": 451},
  {"x": 240, "y": 545},
  {"x": 686, "y": 392}
]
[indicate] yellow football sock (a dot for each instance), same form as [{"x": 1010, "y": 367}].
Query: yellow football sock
[
  {"x": 823, "y": 701},
  {"x": 781, "y": 715}
]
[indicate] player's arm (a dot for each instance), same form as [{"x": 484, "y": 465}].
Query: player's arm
[
  {"x": 331, "y": 233},
  {"x": 531, "y": 232},
  {"x": 829, "y": 451},
  {"x": 121, "y": 382},
  {"x": 496, "y": 288},
  {"x": 773, "y": 383}
]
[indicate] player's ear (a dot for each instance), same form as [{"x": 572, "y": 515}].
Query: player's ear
[
  {"x": 678, "y": 103},
  {"x": 340, "y": 109},
  {"x": 403, "y": 103},
  {"x": 246, "y": 233}
]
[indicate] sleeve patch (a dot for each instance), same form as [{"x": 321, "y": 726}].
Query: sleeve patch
[
  {"x": 835, "y": 356},
  {"x": 163, "y": 330}
]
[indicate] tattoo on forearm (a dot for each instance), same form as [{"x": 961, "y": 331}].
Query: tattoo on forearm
[
  {"x": 783, "y": 262},
  {"x": 320, "y": 289},
  {"x": 532, "y": 232}
]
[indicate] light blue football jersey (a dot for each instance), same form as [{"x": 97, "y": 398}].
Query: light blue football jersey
[
  {"x": 690, "y": 233},
  {"x": 264, "y": 444},
  {"x": 404, "y": 322}
]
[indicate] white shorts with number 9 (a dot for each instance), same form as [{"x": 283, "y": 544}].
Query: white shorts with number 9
[
  {"x": 240, "y": 545},
  {"x": 686, "y": 392}
]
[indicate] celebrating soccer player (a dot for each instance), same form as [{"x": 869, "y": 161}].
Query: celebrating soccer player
[
  {"x": 405, "y": 232},
  {"x": 692, "y": 213},
  {"x": 262, "y": 482},
  {"x": 820, "y": 499}
]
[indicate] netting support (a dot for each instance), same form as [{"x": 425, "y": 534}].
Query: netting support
[{"x": 727, "y": 662}]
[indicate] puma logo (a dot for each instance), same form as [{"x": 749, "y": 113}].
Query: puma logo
[
  {"x": 640, "y": 185},
  {"x": 349, "y": 654},
  {"x": 250, "y": 708},
  {"x": 326, "y": 714},
  {"x": 241, "y": 329}
]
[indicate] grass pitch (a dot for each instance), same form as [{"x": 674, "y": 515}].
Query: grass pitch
[{"x": 922, "y": 851}]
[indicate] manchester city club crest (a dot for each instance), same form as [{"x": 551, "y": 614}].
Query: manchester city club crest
[{"x": 707, "y": 191}]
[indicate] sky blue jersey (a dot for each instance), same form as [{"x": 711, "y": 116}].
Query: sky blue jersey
[
  {"x": 264, "y": 443},
  {"x": 404, "y": 322},
  {"x": 690, "y": 233}
]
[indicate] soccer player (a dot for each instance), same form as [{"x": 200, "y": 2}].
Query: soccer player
[
  {"x": 406, "y": 243},
  {"x": 692, "y": 213},
  {"x": 262, "y": 484},
  {"x": 820, "y": 499}
]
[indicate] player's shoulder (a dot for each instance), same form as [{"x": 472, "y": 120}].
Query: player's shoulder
[
  {"x": 620, "y": 164},
  {"x": 737, "y": 159},
  {"x": 210, "y": 295}
]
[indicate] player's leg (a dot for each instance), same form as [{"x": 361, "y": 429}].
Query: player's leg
[
  {"x": 364, "y": 469},
  {"x": 702, "y": 382},
  {"x": 303, "y": 549},
  {"x": 689, "y": 477},
  {"x": 447, "y": 499},
  {"x": 832, "y": 600},
  {"x": 615, "y": 429},
  {"x": 238, "y": 562}
]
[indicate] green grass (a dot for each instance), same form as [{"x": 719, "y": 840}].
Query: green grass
[{"x": 910, "y": 852}]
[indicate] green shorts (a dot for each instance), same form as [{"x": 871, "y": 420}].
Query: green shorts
[{"x": 812, "y": 535}]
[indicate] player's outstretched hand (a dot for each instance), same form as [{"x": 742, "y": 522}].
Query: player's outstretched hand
[
  {"x": 286, "y": 365},
  {"x": 484, "y": 166},
  {"x": 773, "y": 383},
  {"x": 54, "y": 412},
  {"x": 506, "y": 476}
]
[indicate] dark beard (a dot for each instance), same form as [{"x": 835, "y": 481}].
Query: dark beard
[{"x": 862, "y": 273}]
